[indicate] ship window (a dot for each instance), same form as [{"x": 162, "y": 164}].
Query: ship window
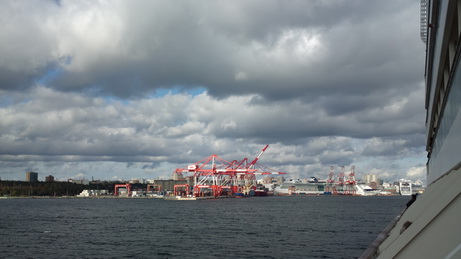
[
  {"x": 448, "y": 105},
  {"x": 450, "y": 111}
]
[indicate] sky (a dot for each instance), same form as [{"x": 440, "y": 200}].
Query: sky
[{"x": 135, "y": 89}]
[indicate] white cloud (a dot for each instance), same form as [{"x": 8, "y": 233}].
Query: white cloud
[
  {"x": 416, "y": 173},
  {"x": 241, "y": 76}
]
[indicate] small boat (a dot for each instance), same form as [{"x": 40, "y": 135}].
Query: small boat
[
  {"x": 261, "y": 192},
  {"x": 239, "y": 195}
]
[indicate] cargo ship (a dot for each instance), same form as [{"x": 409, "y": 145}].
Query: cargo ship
[
  {"x": 429, "y": 227},
  {"x": 300, "y": 188}
]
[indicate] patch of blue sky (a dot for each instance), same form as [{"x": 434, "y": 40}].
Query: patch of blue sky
[
  {"x": 54, "y": 70},
  {"x": 159, "y": 93},
  {"x": 113, "y": 99},
  {"x": 49, "y": 76},
  {"x": 9, "y": 100},
  {"x": 196, "y": 91}
]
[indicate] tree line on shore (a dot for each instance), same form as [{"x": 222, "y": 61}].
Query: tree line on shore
[{"x": 24, "y": 189}]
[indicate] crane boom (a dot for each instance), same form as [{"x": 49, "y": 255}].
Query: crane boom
[{"x": 256, "y": 159}]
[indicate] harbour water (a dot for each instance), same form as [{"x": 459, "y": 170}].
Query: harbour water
[{"x": 257, "y": 227}]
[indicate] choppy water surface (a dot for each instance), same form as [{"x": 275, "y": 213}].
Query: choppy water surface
[{"x": 257, "y": 227}]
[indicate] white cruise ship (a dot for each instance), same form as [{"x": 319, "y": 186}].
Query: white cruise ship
[
  {"x": 430, "y": 227},
  {"x": 366, "y": 190},
  {"x": 405, "y": 187}
]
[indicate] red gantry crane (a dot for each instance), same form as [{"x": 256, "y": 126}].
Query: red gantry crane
[
  {"x": 215, "y": 176},
  {"x": 330, "y": 182},
  {"x": 126, "y": 186},
  {"x": 340, "y": 182},
  {"x": 351, "y": 184},
  {"x": 344, "y": 185}
]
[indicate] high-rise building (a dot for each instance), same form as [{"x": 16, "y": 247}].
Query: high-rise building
[
  {"x": 31, "y": 177},
  {"x": 371, "y": 178},
  {"x": 49, "y": 178}
]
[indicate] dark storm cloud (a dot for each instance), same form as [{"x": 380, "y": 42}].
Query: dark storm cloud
[{"x": 244, "y": 47}]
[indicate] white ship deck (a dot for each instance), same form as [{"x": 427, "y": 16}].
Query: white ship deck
[{"x": 435, "y": 224}]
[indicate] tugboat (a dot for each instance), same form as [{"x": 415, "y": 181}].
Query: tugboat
[{"x": 261, "y": 191}]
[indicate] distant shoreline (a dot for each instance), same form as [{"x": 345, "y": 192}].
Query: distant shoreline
[{"x": 124, "y": 197}]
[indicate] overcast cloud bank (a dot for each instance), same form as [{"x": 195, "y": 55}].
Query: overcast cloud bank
[{"x": 128, "y": 89}]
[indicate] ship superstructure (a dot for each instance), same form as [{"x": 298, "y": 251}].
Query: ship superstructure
[
  {"x": 405, "y": 187},
  {"x": 429, "y": 228}
]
